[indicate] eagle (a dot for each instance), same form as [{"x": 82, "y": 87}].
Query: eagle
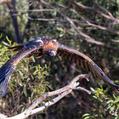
[{"x": 45, "y": 45}]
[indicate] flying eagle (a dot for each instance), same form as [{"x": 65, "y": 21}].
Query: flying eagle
[{"x": 45, "y": 45}]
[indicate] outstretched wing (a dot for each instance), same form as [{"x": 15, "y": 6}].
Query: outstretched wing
[
  {"x": 85, "y": 62},
  {"x": 9, "y": 67},
  {"x": 37, "y": 53}
]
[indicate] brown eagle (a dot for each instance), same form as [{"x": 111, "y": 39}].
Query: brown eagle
[{"x": 45, "y": 45}]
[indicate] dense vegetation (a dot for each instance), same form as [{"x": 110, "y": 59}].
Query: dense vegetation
[{"x": 90, "y": 26}]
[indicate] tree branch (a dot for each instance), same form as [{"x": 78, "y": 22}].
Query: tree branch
[
  {"x": 101, "y": 11},
  {"x": 12, "y": 9},
  {"x": 59, "y": 94}
]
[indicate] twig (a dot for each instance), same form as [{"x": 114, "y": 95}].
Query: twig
[
  {"x": 89, "y": 23},
  {"x": 87, "y": 37},
  {"x": 106, "y": 15},
  {"x": 41, "y": 19},
  {"x": 21, "y": 12}
]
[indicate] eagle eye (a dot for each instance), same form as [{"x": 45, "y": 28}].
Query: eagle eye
[
  {"x": 54, "y": 41},
  {"x": 40, "y": 41}
]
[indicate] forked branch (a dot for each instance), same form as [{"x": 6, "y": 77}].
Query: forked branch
[{"x": 55, "y": 96}]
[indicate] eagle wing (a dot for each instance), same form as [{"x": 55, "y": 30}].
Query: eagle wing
[
  {"x": 85, "y": 63},
  {"x": 9, "y": 67},
  {"x": 37, "y": 53},
  {"x": 81, "y": 59},
  {"x": 16, "y": 48}
]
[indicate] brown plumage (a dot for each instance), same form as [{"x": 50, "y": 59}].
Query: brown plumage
[
  {"x": 79, "y": 58},
  {"x": 85, "y": 63}
]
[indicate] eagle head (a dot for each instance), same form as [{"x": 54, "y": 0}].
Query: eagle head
[{"x": 50, "y": 47}]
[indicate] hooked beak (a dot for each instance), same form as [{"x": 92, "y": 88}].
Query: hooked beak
[{"x": 52, "y": 53}]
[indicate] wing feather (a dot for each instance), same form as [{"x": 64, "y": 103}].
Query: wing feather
[
  {"x": 17, "y": 47},
  {"x": 36, "y": 53},
  {"x": 86, "y": 63}
]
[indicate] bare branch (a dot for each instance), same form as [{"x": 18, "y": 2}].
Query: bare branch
[
  {"x": 59, "y": 94},
  {"x": 41, "y": 19},
  {"x": 87, "y": 37},
  {"x": 98, "y": 26}
]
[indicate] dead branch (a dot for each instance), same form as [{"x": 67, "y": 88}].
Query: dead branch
[
  {"x": 87, "y": 37},
  {"x": 101, "y": 11},
  {"x": 56, "y": 96},
  {"x": 94, "y": 25},
  {"x": 41, "y": 19}
]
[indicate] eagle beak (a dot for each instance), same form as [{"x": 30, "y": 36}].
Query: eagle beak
[{"x": 52, "y": 53}]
